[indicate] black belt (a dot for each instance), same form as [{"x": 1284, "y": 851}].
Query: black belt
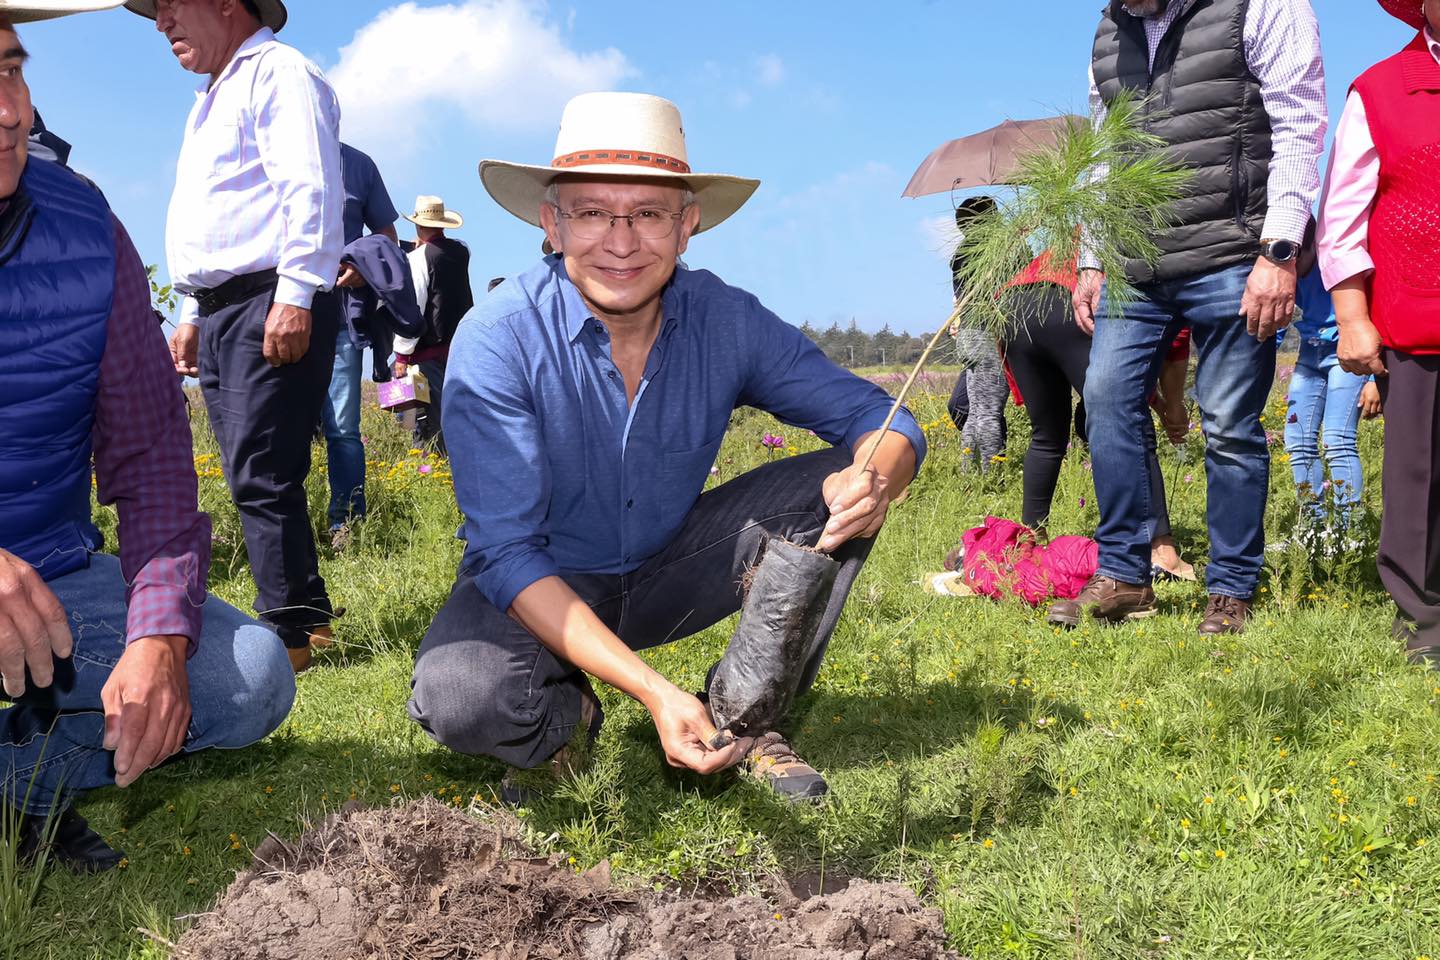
[{"x": 235, "y": 290}]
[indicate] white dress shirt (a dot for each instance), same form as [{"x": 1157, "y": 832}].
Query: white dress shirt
[
  {"x": 1282, "y": 49},
  {"x": 259, "y": 183}
]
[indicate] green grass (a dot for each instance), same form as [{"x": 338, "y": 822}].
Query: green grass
[{"x": 1132, "y": 792}]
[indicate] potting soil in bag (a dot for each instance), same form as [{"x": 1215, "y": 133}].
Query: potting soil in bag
[{"x": 755, "y": 682}]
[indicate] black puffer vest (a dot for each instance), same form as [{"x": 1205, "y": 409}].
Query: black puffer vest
[{"x": 1203, "y": 101}]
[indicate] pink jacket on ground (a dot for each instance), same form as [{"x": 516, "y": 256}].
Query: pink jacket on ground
[{"x": 1004, "y": 559}]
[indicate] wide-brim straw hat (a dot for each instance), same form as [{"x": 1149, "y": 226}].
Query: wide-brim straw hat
[
  {"x": 431, "y": 212},
  {"x": 622, "y": 136},
  {"x": 1411, "y": 11},
  {"x": 17, "y": 11},
  {"x": 272, "y": 12}
]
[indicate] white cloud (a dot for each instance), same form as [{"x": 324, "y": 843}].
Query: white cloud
[
  {"x": 494, "y": 63},
  {"x": 940, "y": 236},
  {"x": 769, "y": 70}
]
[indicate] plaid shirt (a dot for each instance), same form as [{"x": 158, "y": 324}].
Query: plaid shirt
[
  {"x": 144, "y": 464},
  {"x": 1282, "y": 49}
]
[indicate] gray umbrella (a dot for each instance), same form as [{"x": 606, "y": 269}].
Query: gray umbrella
[{"x": 987, "y": 158}]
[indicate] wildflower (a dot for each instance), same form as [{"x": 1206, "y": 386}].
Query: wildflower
[
  {"x": 1184, "y": 824},
  {"x": 185, "y": 851},
  {"x": 425, "y": 468},
  {"x": 1411, "y": 801},
  {"x": 1189, "y": 478},
  {"x": 772, "y": 441},
  {"x": 1220, "y": 854},
  {"x": 1082, "y": 503},
  {"x": 714, "y": 471},
  {"x": 988, "y": 844}
]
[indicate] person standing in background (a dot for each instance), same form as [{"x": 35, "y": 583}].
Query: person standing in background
[
  {"x": 254, "y": 239},
  {"x": 1325, "y": 402},
  {"x": 977, "y": 405},
  {"x": 367, "y": 205},
  {"x": 441, "y": 268},
  {"x": 1380, "y": 255}
]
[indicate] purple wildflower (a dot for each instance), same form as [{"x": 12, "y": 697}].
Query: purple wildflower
[
  {"x": 773, "y": 441},
  {"x": 426, "y": 468}
]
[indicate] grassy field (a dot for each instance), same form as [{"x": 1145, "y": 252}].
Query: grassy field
[{"x": 1132, "y": 792}]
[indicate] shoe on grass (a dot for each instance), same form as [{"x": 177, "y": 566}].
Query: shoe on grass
[
  {"x": 521, "y": 788},
  {"x": 773, "y": 762},
  {"x": 72, "y": 843},
  {"x": 1108, "y": 599},
  {"x": 1224, "y": 615}
]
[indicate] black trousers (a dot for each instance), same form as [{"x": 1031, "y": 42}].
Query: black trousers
[
  {"x": 264, "y": 420},
  {"x": 483, "y": 685},
  {"x": 1048, "y": 356},
  {"x": 1409, "y": 557}
]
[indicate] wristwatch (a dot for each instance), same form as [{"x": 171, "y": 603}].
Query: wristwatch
[{"x": 1279, "y": 251}]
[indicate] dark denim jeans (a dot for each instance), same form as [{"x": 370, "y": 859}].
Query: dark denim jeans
[
  {"x": 1233, "y": 377},
  {"x": 484, "y": 685}
]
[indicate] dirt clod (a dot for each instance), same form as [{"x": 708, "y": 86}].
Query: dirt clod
[{"x": 424, "y": 881}]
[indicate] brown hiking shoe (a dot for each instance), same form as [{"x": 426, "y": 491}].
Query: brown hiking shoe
[
  {"x": 1224, "y": 615},
  {"x": 773, "y": 762},
  {"x": 520, "y": 788},
  {"x": 1113, "y": 601}
]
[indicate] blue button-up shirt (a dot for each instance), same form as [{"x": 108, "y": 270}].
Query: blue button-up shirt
[{"x": 555, "y": 470}]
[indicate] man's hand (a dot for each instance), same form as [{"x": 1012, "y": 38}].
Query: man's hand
[
  {"x": 33, "y": 627},
  {"x": 147, "y": 706},
  {"x": 858, "y": 502},
  {"x": 1086, "y": 299},
  {"x": 287, "y": 334},
  {"x": 685, "y": 732},
  {"x": 1370, "y": 405},
  {"x": 1269, "y": 301},
  {"x": 185, "y": 349},
  {"x": 350, "y": 277}
]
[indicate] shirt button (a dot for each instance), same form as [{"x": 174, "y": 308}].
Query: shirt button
[
  {"x": 629, "y": 504},
  {"x": 611, "y": 374}
]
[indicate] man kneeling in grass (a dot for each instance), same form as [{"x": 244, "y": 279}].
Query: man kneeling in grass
[
  {"x": 112, "y": 665},
  {"x": 586, "y": 401}
]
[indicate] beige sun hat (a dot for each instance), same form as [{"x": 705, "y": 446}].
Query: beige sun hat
[
  {"x": 17, "y": 11},
  {"x": 431, "y": 212},
  {"x": 616, "y": 135},
  {"x": 272, "y": 12}
]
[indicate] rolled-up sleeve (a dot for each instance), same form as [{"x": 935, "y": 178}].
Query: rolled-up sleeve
[
  {"x": 297, "y": 131},
  {"x": 792, "y": 379},
  {"x": 502, "y": 481},
  {"x": 144, "y": 465}
]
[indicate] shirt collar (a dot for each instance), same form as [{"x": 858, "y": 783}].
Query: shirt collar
[
  {"x": 1433, "y": 44},
  {"x": 577, "y": 313},
  {"x": 253, "y": 45}
]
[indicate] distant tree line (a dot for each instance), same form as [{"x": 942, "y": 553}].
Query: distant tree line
[{"x": 853, "y": 347}]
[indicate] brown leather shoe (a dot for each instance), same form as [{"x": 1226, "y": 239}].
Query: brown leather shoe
[
  {"x": 1224, "y": 615},
  {"x": 300, "y": 658},
  {"x": 1104, "y": 598},
  {"x": 772, "y": 761}
]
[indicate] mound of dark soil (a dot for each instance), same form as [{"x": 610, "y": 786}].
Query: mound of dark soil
[{"x": 424, "y": 882}]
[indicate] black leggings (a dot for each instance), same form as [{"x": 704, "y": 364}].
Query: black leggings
[{"x": 1048, "y": 356}]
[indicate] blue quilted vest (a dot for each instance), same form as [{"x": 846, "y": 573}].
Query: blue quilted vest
[{"x": 57, "y": 279}]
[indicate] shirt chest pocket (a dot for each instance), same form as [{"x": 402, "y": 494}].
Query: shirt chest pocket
[
  {"x": 681, "y": 476},
  {"x": 219, "y": 149}
]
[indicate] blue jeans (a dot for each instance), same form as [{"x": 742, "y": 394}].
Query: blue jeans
[
  {"x": 345, "y": 452},
  {"x": 1233, "y": 377},
  {"x": 1324, "y": 403},
  {"x": 241, "y": 689}
]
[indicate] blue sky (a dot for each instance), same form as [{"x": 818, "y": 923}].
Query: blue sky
[{"x": 832, "y": 106}]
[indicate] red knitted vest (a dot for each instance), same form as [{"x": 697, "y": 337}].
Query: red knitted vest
[{"x": 1402, "y": 104}]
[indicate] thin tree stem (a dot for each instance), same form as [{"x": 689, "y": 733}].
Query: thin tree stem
[{"x": 910, "y": 382}]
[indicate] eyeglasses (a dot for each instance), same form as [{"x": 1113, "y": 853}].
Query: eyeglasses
[{"x": 592, "y": 223}]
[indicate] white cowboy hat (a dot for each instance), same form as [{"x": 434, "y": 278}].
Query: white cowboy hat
[
  {"x": 272, "y": 12},
  {"x": 17, "y": 11},
  {"x": 616, "y": 135},
  {"x": 431, "y": 212}
]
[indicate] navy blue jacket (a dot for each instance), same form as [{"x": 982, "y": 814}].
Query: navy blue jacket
[{"x": 388, "y": 298}]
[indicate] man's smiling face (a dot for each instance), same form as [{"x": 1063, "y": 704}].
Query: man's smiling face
[
  {"x": 16, "y": 113},
  {"x": 619, "y": 273}
]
